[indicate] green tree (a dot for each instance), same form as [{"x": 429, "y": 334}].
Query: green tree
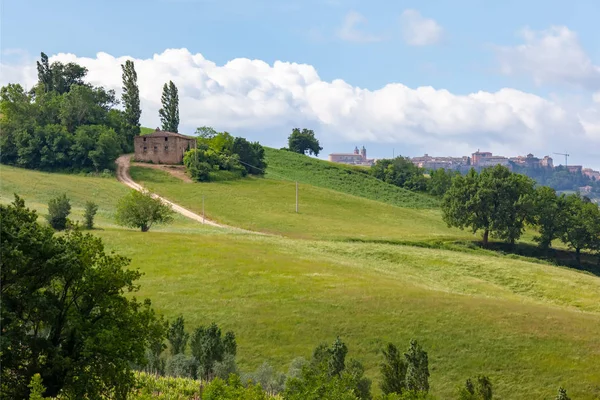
[
  {"x": 393, "y": 371},
  {"x": 36, "y": 388},
  {"x": 337, "y": 357},
  {"x": 440, "y": 181},
  {"x": 496, "y": 202},
  {"x": 209, "y": 347},
  {"x": 417, "y": 368},
  {"x": 582, "y": 225},
  {"x": 44, "y": 73},
  {"x": 66, "y": 76},
  {"x": 177, "y": 336},
  {"x": 169, "y": 113},
  {"x": 304, "y": 142},
  {"x": 59, "y": 209},
  {"x": 549, "y": 216},
  {"x": 142, "y": 210},
  {"x": 67, "y": 312},
  {"x": 562, "y": 394},
  {"x": 480, "y": 390},
  {"x": 131, "y": 100},
  {"x": 90, "y": 211},
  {"x": 229, "y": 343},
  {"x": 400, "y": 172},
  {"x": 251, "y": 156}
]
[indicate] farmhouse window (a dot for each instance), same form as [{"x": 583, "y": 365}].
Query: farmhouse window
[
  {"x": 166, "y": 148},
  {"x": 166, "y": 138},
  {"x": 145, "y": 148},
  {"x": 155, "y": 148},
  {"x": 144, "y": 139}
]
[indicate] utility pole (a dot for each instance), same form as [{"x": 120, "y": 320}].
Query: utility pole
[
  {"x": 296, "y": 196},
  {"x": 203, "y": 209},
  {"x": 393, "y": 153}
]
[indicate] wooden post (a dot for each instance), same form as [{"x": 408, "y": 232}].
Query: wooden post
[{"x": 296, "y": 196}]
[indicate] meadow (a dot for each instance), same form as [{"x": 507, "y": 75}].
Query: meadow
[{"x": 528, "y": 325}]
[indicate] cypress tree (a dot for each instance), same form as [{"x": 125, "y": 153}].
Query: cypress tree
[
  {"x": 44, "y": 73},
  {"x": 169, "y": 113},
  {"x": 337, "y": 357},
  {"x": 131, "y": 100},
  {"x": 393, "y": 371},
  {"x": 417, "y": 371}
]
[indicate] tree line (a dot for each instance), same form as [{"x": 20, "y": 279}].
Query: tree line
[
  {"x": 501, "y": 204},
  {"x": 71, "y": 327},
  {"x": 64, "y": 123}
]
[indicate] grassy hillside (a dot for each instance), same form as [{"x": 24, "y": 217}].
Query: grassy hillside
[
  {"x": 268, "y": 205},
  {"x": 348, "y": 179},
  {"x": 37, "y": 188},
  {"x": 530, "y": 327}
]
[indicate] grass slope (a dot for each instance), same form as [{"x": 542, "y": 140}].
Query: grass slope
[
  {"x": 530, "y": 327},
  {"x": 348, "y": 179},
  {"x": 268, "y": 205}
]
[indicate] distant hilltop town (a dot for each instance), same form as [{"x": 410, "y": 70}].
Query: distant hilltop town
[{"x": 478, "y": 160}]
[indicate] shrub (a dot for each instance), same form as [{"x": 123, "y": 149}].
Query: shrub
[
  {"x": 183, "y": 366},
  {"x": 91, "y": 209},
  {"x": 59, "y": 209}
]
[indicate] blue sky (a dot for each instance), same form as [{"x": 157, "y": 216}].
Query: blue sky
[{"x": 462, "y": 58}]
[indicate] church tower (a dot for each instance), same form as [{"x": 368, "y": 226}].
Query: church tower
[{"x": 363, "y": 152}]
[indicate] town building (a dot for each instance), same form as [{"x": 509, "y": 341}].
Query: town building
[
  {"x": 453, "y": 163},
  {"x": 484, "y": 159},
  {"x": 585, "y": 189},
  {"x": 161, "y": 147},
  {"x": 590, "y": 173},
  {"x": 532, "y": 162},
  {"x": 356, "y": 158},
  {"x": 575, "y": 169}
]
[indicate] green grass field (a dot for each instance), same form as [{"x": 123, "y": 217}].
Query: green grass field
[
  {"x": 527, "y": 325},
  {"x": 354, "y": 180},
  {"x": 268, "y": 205}
]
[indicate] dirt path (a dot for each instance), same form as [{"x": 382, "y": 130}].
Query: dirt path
[
  {"x": 123, "y": 176},
  {"x": 178, "y": 171}
]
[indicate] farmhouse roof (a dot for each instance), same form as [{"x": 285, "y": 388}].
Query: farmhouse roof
[{"x": 159, "y": 133}]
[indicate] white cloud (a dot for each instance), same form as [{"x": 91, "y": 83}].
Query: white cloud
[
  {"x": 350, "y": 31},
  {"x": 255, "y": 98},
  {"x": 418, "y": 30},
  {"x": 552, "y": 56}
]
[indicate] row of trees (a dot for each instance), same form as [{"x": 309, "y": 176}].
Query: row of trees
[
  {"x": 501, "y": 204},
  {"x": 559, "y": 178},
  {"x": 64, "y": 123},
  {"x": 220, "y": 151},
  {"x": 401, "y": 172}
]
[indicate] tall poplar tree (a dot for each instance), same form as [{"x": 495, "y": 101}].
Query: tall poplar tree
[
  {"x": 169, "y": 113},
  {"x": 131, "y": 100},
  {"x": 44, "y": 73}
]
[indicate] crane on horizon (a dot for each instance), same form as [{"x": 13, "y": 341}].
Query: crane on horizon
[{"x": 566, "y": 156}]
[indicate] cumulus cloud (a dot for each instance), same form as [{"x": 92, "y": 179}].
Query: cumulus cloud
[
  {"x": 350, "y": 29},
  {"x": 265, "y": 101},
  {"x": 552, "y": 56},
  {"x": 418, "y": 30}
]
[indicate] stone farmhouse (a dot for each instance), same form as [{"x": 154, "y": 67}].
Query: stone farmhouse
[{"x": 161, "y": 147}]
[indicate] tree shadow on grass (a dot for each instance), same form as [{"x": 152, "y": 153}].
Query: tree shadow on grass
[{"x": 525, "y": 251}]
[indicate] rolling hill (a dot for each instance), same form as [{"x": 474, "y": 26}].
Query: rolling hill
[{"x": 529, "y": 326}]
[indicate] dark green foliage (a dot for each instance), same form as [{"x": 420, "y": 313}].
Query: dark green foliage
[
  {"x": 169, "y": 113},
  {"x": 251, "y": 156},
  {"x": 400, "y": 172},
  {"x": 582, "y": 225},
  {"x": 559, "y": 178},
  {"x": 549, "y": 215},
  {"x": 155, "y": 364},
  {"x": 440, "y": 181},
  {"x": 42, "y": 129},
  {"x": 393, "y": 371},
  {"x": 323, "y": 379},
  {"x": 89, "y": 213},
  {"x": 141, "y": 210},
  {"x": 182, "y": 366},
  {"x": 337, "y": 357},
  {"x": 177, "y": 336},
  {"x": 562, "y": 394},
  {"x": 67, "y": 312},
  {"x": 480, "y": 390},
  {"x": 220, "y": 156},
  {"x": 59, "y": 209},
  {"x": 229, "y": 343},
  {"x": 417, "y": 368},
  {"x": 222, "y": 369},
  {"x": 303, "y": 142},
  {"x": 495, "y": 201},
  {"x": 209, "y": 347},
  {"x": 131, "y": 101}
]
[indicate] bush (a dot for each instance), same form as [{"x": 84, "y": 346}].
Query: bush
[
  {"x": 59, "y": 209},
  {"x": 91, "y": 209},
  {"x": 183, "y": 366},
  {"x": 141, "y": 210}
]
